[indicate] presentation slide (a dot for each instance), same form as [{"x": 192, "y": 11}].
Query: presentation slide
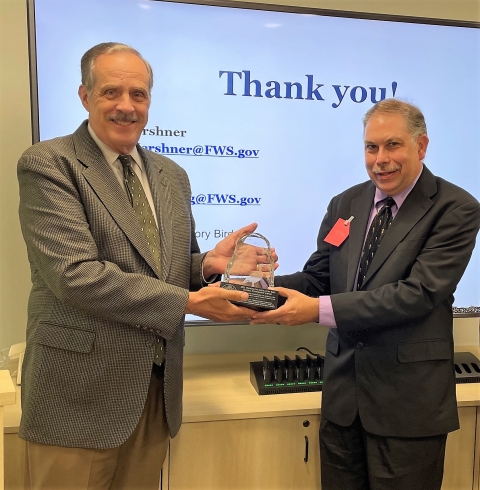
[{"x": 264, "y": 109}]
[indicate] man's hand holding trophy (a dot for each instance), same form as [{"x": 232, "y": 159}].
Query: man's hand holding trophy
[{"x": 251, "y": 269}]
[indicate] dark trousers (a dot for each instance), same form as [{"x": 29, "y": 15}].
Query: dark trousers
[{"x": 353, "y": 459}]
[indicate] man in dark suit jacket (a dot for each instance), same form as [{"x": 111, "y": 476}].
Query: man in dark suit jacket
[
  {"x": 389, "y": 384},
  {"x": 102, "y": 373}
]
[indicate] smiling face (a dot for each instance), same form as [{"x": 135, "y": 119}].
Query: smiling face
[
  {"x": 392, "y": 157},
  {"x": 119, "y": 101}
]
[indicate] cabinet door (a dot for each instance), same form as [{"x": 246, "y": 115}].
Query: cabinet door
[
  {"x": 460, "y": 453},
  {"x": 254, "y": 454}
]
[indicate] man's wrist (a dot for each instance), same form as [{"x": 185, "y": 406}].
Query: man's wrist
[{"x": 209, "y": 274}]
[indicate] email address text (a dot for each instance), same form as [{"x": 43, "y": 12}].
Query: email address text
[{"x": 203, "y": 151}]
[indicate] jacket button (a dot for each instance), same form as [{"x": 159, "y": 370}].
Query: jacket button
[
  {"x": 149, "y": 343},
  {"x": 359, "y": 345}
]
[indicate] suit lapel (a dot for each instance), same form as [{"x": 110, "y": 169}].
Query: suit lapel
[
  {"x": 360, "y": 210},
  {"x": 416, "y": 205},
  {"x": 106, "y": 186},
  {"x": 162, "y": 199}
]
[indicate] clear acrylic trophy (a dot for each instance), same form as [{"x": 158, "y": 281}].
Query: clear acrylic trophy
[{"x": 251, "y": 269}]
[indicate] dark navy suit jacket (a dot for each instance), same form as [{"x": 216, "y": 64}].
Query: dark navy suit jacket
[{"x": 390, "y": 359}]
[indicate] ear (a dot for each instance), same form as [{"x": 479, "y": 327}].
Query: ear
[
  {"x": 83, "y": 94},
  {"x": 422, "y": 144}
]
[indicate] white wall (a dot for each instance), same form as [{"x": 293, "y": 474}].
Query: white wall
[{"x": 15, "y": 137}]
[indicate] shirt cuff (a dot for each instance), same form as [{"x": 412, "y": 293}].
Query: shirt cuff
[{"x": 326, "y": 316}]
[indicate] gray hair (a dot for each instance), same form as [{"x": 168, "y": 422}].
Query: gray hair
[
  {"x": 87, "y": 63},
  {"x": 412, "y": 114}
]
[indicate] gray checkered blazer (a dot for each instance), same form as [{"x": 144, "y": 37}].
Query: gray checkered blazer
[{"x": 96, "y": 302}]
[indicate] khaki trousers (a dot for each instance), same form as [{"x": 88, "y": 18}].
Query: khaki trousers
[{"x": 135, "y": 465}]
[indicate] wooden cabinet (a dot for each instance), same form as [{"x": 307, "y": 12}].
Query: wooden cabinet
[
  {"x": 255, "y": 454},
  {"x": 233, "y": 439},
  {"x": 269, "y": 453},
  {"x": 7, "y": 397},
  {"x": 460, "y": 453}
]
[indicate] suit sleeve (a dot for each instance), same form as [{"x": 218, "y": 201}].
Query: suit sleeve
[
  {"x": 432, "y": 279},
  {"x": 64, "y": 255}
]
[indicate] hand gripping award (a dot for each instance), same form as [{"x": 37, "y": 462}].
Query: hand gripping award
[{"x": 251, "y": 269}]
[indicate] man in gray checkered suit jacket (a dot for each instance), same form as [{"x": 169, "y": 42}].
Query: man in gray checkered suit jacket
[{"x": 102, "y": 374}]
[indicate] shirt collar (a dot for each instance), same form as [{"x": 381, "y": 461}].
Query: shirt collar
[
  {"x": 110, "y": 155},
  {"x": 399, "y": 198}
]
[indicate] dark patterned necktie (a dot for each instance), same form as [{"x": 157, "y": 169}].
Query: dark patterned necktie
[
  {"x": 375, "y": 234},
  {"x": 139, "y": 202}
]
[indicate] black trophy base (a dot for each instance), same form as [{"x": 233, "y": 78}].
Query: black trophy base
[{"x": 258, "y": 299}]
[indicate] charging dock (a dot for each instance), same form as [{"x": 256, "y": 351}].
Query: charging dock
[
  {"x": 299, "y": 375},
  {"x": 467, "y": 368}
]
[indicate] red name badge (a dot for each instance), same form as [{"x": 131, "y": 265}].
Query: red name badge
[{"x": 339, "y": 232}]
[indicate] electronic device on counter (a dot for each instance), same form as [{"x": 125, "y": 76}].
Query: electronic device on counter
[
  {"x": 298, "y": 375},
  {"x": 287, "y": 375},
  {"x": 467, "y": 368}
]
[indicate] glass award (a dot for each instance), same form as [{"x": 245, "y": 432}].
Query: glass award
[{"x": 251, "y": 269}]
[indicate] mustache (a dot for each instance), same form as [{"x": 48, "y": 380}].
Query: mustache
[
  {"x": 386, "y": 168},
  {"x": 122, "y": 117}
]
